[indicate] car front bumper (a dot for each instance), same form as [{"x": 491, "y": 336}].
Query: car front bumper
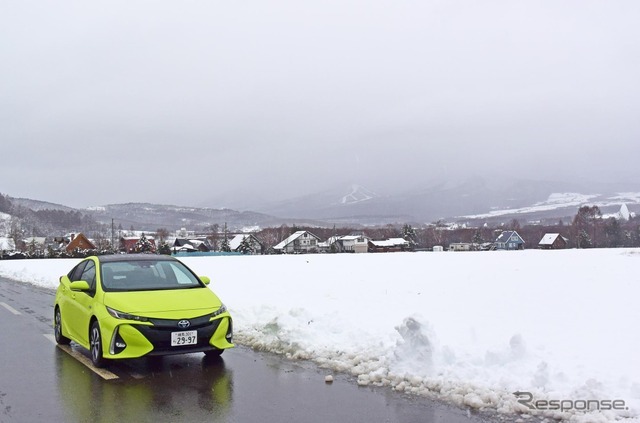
[{"x": 136, "y": 339}]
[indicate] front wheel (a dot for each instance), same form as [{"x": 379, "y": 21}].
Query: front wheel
[
  {"x": 95, "y": 345},
  {"x": 213, "y": 353},
  {"x": 57, "y": 328}
]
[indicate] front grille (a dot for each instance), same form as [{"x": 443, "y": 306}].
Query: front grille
[{"x": 160, "y": 334}]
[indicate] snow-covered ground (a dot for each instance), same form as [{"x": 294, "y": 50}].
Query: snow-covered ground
[{"x": 468, "y": 328}]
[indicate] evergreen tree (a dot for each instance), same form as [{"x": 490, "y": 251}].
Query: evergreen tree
[
  {"x": 144, "y": 245},
  {"x": 245, "y": 246},
  {"x": 409, "y": 234},
  {"x": 583, "y": 241}
]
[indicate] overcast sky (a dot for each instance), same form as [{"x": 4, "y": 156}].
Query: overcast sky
[{"x": 192, "y": 102}]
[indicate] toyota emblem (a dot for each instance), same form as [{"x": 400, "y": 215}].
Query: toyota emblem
[{"x": 184, "y": 324}]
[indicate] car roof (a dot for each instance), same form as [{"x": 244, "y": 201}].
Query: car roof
[{"x": 110, "y": 258}]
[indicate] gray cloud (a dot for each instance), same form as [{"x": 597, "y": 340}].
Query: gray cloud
[{"x": 189, "y": 102}]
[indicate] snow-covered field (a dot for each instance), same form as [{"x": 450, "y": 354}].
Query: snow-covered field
[{"x": 468, "y": 328}]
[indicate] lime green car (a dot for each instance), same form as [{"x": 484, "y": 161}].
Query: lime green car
[{"x": 134, "y": 305}]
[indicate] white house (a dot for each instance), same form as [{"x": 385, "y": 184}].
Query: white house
[
  {"x": 355, "y": 243},
  {"x": 361, "y": 245},
  {"x": 298, "y": 242},
  {"x": 346, "y": 243}
]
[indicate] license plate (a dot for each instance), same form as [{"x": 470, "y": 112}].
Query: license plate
[{"x": 188, "y": 337}]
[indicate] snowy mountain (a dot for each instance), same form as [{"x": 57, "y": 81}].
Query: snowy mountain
[
  {"x": 42, "y": 218},
  {"x": 358, "y": 194},
  {"x": 352, "y": 205},
  {"x": 475, "y": 201},
  {"x": 488, "y": 199},
  {"x": 37, "y": 205},
  {"x": 150, "y": 217}
]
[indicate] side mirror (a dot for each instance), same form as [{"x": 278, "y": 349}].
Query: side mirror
[
  {"x": 205, "y": 280},
  {"x": 79, "y": 286}
]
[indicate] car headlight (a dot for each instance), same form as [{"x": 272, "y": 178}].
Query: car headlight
[
  {"x": 126, "y": 316},
  {"x": 219, "y": 311}
]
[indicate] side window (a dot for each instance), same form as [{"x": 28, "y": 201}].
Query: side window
[
  {"x": 76, "y": 272},
  {"x": 89, "y": 274}
]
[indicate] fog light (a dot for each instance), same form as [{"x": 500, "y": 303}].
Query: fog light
[{"x": 117, "y": 343}]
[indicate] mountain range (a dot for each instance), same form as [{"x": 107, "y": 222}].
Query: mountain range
[
  {"x": 479, "y": 199},
  {"x": 473, "y": 201}
]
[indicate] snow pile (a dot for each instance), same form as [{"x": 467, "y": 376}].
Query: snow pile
[{"x": 468, "y": 328}]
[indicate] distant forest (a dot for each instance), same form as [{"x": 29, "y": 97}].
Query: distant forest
[{"x": 42, "y": 223}]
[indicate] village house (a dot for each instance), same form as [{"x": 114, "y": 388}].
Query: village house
[
  {"x": 79, "y": 242},
  {"x": 389, "y": 245},
  {"x": 128, "y": 244},
  {"x": 509, "y": 240},
  {"x": 354, "y": 243},
  {"x": 553, "y": 242},
  {"x": 298, "y": 242},
  {"x": 460, "y": 246},
  {"x": 190, "y": 245},
  {"x": 254, "y": 244}
]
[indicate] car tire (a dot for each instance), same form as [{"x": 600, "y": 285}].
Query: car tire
[
  {"x": 95, "y": 345},
  {"x": 213, "y": 353},
  {"x": 57, "y": 328}
]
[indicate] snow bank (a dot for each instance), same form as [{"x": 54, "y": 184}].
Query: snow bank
[{"x": 468, "y": 328}]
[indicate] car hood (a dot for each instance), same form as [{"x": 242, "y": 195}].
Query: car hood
[{"x": 163, "y": 303}]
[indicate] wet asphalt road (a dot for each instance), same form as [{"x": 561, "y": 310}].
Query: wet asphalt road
[{"x": 41, "y": 382}]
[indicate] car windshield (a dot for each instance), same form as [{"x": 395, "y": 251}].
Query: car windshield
[{"x": 145, "y": 275}]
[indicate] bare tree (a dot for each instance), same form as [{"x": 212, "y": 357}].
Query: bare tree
[
  {"x": 585, "y": 225},
  {"x": 162, "y": 234}
]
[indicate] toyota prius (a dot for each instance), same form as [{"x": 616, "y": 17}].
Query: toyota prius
[{"x": 128, "y": 306}]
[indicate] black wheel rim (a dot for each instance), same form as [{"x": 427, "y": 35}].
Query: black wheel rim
[
  {"x": 95, "y": 343},
  {"x": 56, "y": 325}
]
